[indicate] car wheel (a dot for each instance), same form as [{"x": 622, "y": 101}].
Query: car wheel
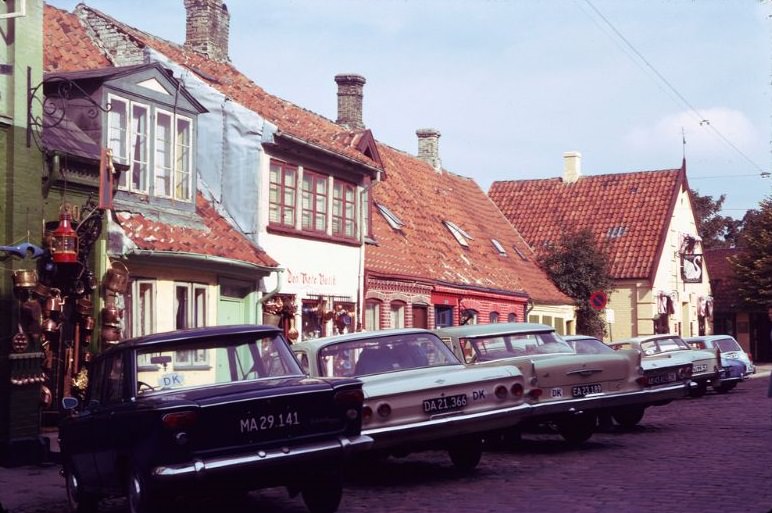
[
  {"x": 577, "y": 428},
  {"x": 699, "y": 390},
  {"x": 78, "y": 500},
  {"x": 323, "y": 494},
  {"x": 628, "y": 417},
  {"x": 139, "y": 497},
  {"x": 466, "y": 453}
]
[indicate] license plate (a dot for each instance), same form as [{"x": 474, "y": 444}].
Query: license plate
[
  {"x": 660, "y": 379},
  {"x": 583, "y": 390},
  {"x": 269, "y": 422},
  {"x": 702, "y": 367},
  {"x": 442, "y": 404}
]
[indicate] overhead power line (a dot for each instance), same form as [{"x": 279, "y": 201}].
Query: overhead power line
[{"x": 702, "y": 120}]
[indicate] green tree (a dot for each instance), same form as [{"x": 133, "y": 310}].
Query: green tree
[
  {"x": 579, "y": 266},
  {"x": 717, "y": 231},
  {"x": 753, "y": 263}
]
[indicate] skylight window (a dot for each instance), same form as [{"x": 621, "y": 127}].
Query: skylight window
[
  {"x": 616, "y": 232},
  {"x": 391, "y": 218},
  {"x": 519, "y": 253},
  {"x": 499, "y": 247},
  {"x": 461, "y": 236}
]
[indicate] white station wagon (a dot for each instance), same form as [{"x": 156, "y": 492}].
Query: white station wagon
[
  {"x": 564, "y": 389},
  {"x": 418, "y": 395}
]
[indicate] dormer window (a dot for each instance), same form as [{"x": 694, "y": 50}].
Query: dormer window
[
  {"x": 391, "y": 218},
  {"x": 461, "y": 236},
  {"x": 499, "y": 247},
  {"x": 164, "y": 148}
]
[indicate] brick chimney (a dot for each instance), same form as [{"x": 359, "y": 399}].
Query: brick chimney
[
  {"x": 350, "y": 100},
  {"x": 207, "y": 25},
  {"x": 429, "y": 147},
  {"x": 572, "y": 166}
]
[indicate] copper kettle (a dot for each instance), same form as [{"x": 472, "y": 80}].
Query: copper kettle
[{"x": 111, "y": 315}]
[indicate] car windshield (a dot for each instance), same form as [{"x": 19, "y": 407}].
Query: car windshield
[
  {"x": 507, "y": 346},
  {"x": 728, "y": 344},
  {"x": 663, "y": 345},
  {"x": 384, "y": 354},
  {"x": 590, "y": 346},
  {"x": 186, "y": 364}
]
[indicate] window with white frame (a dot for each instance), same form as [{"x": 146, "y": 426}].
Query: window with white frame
[
  {"x": 343, "y": 209},
  {"x": 141, "y": 313},
  {"x": 397, "y": 314},
  {"x": 314, "y": 202},
  {"x": 373, "y": 315},
  {"x": 168, "y": 152},
  {"x": 190, "y": 306},
  {"x": 282, "y": 193}
]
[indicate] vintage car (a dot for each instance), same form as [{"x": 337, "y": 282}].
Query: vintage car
[
  {"x": 207, "y": 410},
  {"x": 671, "y": 376},
  {"x": 706, "y": 365},
  {"x": 728, "y": 346},
  {"x": 418, "y": 395},
  {"x": 564, "y": 389}
]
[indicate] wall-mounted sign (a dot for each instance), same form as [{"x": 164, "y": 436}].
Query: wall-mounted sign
[{"x": 691, "y": 268}]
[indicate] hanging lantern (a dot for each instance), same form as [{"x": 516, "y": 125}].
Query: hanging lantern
[{"x": 64, "y": 243}]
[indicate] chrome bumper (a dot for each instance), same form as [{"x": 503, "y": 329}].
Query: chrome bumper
[{"x": 263, "y": 459}]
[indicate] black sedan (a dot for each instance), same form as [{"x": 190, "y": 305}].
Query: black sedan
[{"x": 219, "y": 409}]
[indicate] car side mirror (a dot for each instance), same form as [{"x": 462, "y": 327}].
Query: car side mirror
[{"x": 70, "y": 403}]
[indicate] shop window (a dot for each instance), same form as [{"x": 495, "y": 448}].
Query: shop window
[
  {"x": 443, "y": 316},
  {"x": 313, "y": 319},
  {"x": 468, "y": 316},
  {"x": 397, "y": 315},
  {"x": 373, "y": 315}
]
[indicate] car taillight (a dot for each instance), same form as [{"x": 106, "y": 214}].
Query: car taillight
[
  {"x": 384, "y": 410},
  {"x": 642, "y": 380},
  {"x": 179, "y": 420},
  {"x": 535, "y": 393},
  {"x": 517, "y": 390},
  {"x": 367, "y": 414},
  {"x": 501, "y": 392},
  {"x": 351, "y": 400},
  {"x": 685, "y": 372}
]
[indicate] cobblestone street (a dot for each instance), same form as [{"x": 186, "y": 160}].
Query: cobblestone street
[{"x": 707, "y": 455}]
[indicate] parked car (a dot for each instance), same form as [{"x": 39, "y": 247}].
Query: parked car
[
  {"x": 706, "y": 365},
  {"x": 418, "y": 395},
  {"x": 666, "y": 378},
  {"x": 208, "y": 410},
  {"x": 728, "y": 346},
  {"x": 564, "y": 389}
]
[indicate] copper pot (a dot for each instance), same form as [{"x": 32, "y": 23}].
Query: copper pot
[
  {"x": 111, "y": 333},
  {"x": 50, "y": 326},
  {"x": 25, "y": 279},
  {"x": 85, "y": 306},
  {"x": 111, "y": 315},
  {"x": 54, "y": 303},
  {"x": 117, "y": 277},
  {"x": 42, "y": 290},
  {"x": 88, "y": 323}
]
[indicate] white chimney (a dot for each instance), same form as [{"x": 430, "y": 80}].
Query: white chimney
[
  {"x": 572, "y": 166},
  {"x": 429, "y": 147}
]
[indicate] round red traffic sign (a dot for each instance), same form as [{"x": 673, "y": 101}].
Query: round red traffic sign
[{"x": 598, "y": 300}]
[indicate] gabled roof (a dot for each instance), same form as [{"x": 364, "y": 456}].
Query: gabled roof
[
  {"x": 630, "y": 213},
  {"x": 214, "y": 236},
  {"x": 424, "y": 249},
  {"x": 293, "y": 121}
]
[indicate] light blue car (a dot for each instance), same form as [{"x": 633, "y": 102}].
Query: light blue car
[{"x": 729, "y": 348}]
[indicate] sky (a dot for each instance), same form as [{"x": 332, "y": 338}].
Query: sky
[{"x": 511, "y": 85}]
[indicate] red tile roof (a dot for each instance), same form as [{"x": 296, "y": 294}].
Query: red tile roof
[
  {"x": 636, "y": 206},
  {"x": 424, "y": 248},
  {"x": 66, "y": 44},
  {"x": 291, "y": 120},
  {"x": 214, "y": 236}
]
